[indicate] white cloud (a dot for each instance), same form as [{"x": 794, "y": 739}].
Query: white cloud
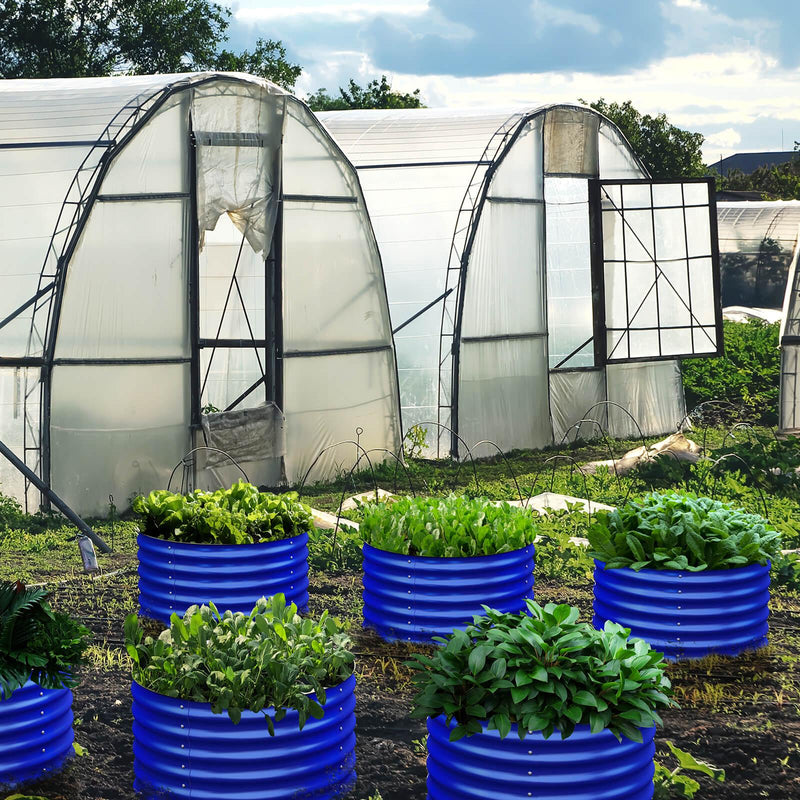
[
  {"x": 696, "y": 5},
  {"x": 727, "y": 139}
]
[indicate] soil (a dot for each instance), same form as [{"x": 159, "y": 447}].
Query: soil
[{"x": 739, "y": 714}]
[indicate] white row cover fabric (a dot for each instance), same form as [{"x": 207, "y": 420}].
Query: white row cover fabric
[
  {"x": 100, "y": 197},
  {"x": 505, "y": 194},
  {"x": 762, "y": 243}
]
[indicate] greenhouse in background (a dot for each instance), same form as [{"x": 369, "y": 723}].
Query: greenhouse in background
[
  {"x": 759, "y": 250},
  {"x": 533, "y": 272},
  {"x": 174, "y": 245}
]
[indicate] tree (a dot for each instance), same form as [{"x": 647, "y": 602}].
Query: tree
[
  {"x": 80, "y": 38},
  {"x": 781, "y": 182},
  {"x": 666, "y": 150},
  {"x": 376, "y": 94},
  {"x": 268, "y": 60}
]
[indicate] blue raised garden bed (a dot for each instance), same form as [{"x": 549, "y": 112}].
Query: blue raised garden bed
[
  {"x": 413, "y": 598},
  {"x": 35, "y": 733},
  {"x": 176, "y": 575},
  {"x": 183, "y": 750},
  {"x": 585, "y": 766},
  {"x": 687, "y": 614}
]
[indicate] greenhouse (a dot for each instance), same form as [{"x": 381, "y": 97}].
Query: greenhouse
[
  {"x": 184, "y": 260},
  {"x": 534, "y": 272},
  {"x": 760, "y": 246}
]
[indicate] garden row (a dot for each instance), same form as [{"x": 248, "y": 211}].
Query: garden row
[{"x": 244, "y": 697}]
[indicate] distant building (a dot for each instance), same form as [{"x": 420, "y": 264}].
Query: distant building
[{"x": 750, "y": 162}]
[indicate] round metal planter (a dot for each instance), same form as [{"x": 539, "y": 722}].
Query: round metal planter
[
  {"x": 687, "y": 614},
  {"x": 176, "y": 575},
  {"x": 413, "y": 598},
  {"x": 183, "y": 750},
  {"x": 35, "y": 733},
  {"x": 586, "y": 766}
]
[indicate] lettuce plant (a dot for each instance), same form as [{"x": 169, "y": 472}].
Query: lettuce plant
[
  {"x": 673, "y": 531},
  {"x": 239, "y": 515},
  {"x": 449, "y": 527},
  {"x": 271, "y": 658},
  {"x": 542, "y": 671},
  {"x": 36, "y": 643}
]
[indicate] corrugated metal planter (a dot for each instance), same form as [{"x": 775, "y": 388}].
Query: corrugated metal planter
[
  {"x": 586, "y": 766},
  {"x": 413, "y": 598},
  {"x": 175, "y": 575},
  {"x": 687, "y": 614},
  {"x": 183, "y": 750},
  {"x": 35, "y": 733}
]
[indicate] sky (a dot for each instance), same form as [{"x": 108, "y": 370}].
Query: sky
[{"x": 729, "y": 69}]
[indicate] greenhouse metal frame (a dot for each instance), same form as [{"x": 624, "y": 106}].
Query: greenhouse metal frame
[
  {"x": 432, "y": 177},
  {"x": 259, "y": 155}
]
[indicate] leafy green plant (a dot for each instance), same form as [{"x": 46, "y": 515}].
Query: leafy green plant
[
  {"x": 239, "y": 515},
  {"x": 450, "y": 527},
  {"x": 271, "y": 658},
  {"x": 542, "y": 671},
  {"x": 414, "y": 441},
  {"x": 764, "y": 461},
  {"x": 673, "y": 783},
  {"x": 36, "y": 643},
  {"x": 748, "y": 375},
  {"x": 673, "y": 531}
]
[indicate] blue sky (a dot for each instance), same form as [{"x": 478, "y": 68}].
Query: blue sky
[{"x": 727, "y": 68}]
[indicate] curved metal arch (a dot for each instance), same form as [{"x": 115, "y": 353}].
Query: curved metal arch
[
  {"x": 80, "y": 198},
  {"x": 500, "y": 144}
]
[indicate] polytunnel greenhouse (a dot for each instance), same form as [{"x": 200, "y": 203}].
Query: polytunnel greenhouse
[
  {"x": 534, "y": 272},
  {"x": 760, "y": 245},
  {"x": 184, "y": 260}
]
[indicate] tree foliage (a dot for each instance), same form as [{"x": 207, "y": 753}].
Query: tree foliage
[
  {"x": 376, "y": 94},
  {"x": 666, "y": 150},
  {"x": 84, "y": 38},
  {"x": 779, "y": 182}
]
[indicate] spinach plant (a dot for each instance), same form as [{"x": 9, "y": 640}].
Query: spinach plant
[
  {"x": 449, "y": 527},
  {"x": 239, "y": 515},
  {"x": 681, "y": 532},
  {"x": 36, "y": 643},
  {"x": 271, "y": 658},
  {"x": 542, "y": 671}
]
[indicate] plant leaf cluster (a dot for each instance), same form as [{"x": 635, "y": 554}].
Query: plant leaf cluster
[
  {"x": 36, "y": 643},
  {"x": 672, "y": 531},
  {"x": 271, "y": 658},
  {"x": 449, "y": 527},
  {"x": 542, "y": 671},
  {"x": 670, "y": 784},
  {"x": 239, "y": 515},
  {"x": 770, "y": 463}
]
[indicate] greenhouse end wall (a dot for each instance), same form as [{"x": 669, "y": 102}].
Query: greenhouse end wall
[{"x": 221, "y": 255}]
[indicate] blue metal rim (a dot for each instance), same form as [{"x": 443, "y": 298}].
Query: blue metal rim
[
  {"x": 687, "y": 614},
  {"x": 36, "y": 733},
  {"x": 176, "y": 575},
  {"x": 585, "y": 766},
  {"x": 183, "y": 750},
  {"x": 414, "y": 598}
]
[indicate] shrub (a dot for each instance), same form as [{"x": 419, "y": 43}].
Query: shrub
[
  {"x": 450, "y": 527},
  {"x": 674, "y": 531},
  {"x": 271, "y": 658},
  {"x": 36, "y": 643},
  {"x": 747, "y": 375},
  {"x": 542, "y": 671},
  {"x": 239, "y": 515},
  {"x": 772, "y": 463}
]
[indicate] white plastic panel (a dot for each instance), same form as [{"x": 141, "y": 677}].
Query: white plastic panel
[
  {"x": 570, "y": 308},
  {"x": 616, "y": 158},
  {"x": 116, "y": 430},
  {"x": 12, "y": 388},
  {"x": 333, "y": 294},
  {"x": 520, "y": 172},
  {"x": 503, "y": 394},
  {"x": 155, "y": 160},
  {"x": 125, "y": 294},
  {"x": 326, "y": 399},
  {"x": 789, "y": 417},
  {"x": 652, "y": 394},
  {"x": 575, "y": 396}
]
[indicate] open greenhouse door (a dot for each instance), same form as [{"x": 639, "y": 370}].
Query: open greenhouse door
[{"x": 655, "y": 262}]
